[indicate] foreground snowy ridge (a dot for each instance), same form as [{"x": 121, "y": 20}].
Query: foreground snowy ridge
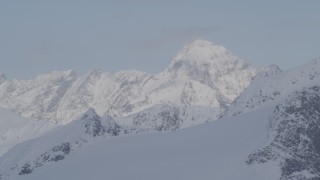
[
  {"x": 206, "y": 151},
  {"x": 58, "y": 144}
]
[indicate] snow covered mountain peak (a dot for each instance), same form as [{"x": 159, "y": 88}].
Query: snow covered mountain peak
[
  {"x": 93, "y": 123},
  {"x": 57, "y": 75},
  {"x": 268, "y": 71},
  {"x": 89, "y": 114},
  {"x": 200, "y": 49},
  {"x": 202, "y": 60}
]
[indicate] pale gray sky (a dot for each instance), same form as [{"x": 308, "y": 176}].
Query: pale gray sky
[{"x": 39, "y": 36}]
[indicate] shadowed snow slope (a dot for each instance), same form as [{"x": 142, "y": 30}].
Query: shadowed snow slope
[{"x": 15, "y": 129}]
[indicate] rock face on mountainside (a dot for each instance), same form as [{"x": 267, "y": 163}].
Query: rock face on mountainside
[
  {"x": 94, "y": 125},
  {"x": 57, "y": 145},
  {"x": 201, "y": 74},
  {"x": 295, "y": 126},
  {"x": 170, "y": 117},
  {"x": 166, "y": 119}
]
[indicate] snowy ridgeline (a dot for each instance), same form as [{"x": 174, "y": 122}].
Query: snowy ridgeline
[
  {"x": 268, "y": 127},
  {"x": 62, "y": 141},
  {"x": 201, "y": 74},
  {"x": 58, "y": 143}
]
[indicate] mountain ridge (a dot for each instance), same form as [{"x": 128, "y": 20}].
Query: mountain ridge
[
  {"x": 61, "y": 97},
  {"x": 57, "y": 144}
]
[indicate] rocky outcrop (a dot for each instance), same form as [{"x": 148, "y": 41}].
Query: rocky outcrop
[
  {"x": 162, "y": 118},
  {"x": 295, "y": 130},
  {"x": 57, "y": 145}
]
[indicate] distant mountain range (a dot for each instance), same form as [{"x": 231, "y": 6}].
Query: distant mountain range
[
  {"x": 201, "y": 74},
  {"x": 257, "y": 123}
]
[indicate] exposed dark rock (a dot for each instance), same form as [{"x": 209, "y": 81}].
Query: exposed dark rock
[
  {"x": 93, "y": 123},
  {"x": 57, "y": 158},
  {"x": 296, "y": 143},
  {"x": 95, "y": 127},
  {"x": 26, "y": 169},
  {"x": 165, "y": 119},
  {"x": 63, "y": 147}
]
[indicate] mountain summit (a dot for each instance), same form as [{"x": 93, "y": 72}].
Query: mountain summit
[
  {"x": 204, "y": 54},
  {"x": 202, "y": 51}
]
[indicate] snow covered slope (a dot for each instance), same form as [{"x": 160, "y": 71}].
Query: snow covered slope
[
  {"x": 57, "y": 144},
  {"x": 15, "y": 129},
  {"x": 201, "y": 74},
  {"x": 274, "y": 86},
  {"x": 216, "y": 150}
]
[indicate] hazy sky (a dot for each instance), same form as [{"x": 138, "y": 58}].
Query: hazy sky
[{"x": 42, "y": 36}]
